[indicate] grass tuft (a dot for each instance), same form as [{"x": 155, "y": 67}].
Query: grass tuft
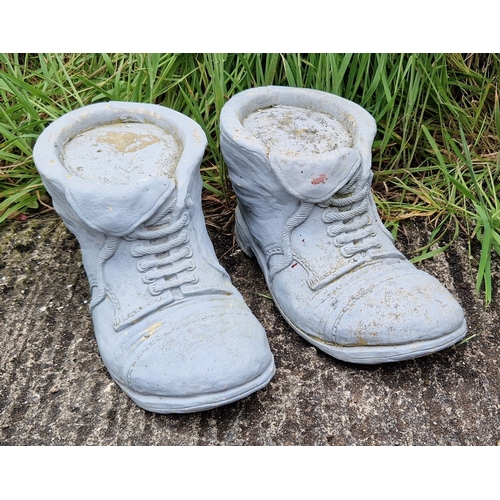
[{"x": 436, "y": 154}]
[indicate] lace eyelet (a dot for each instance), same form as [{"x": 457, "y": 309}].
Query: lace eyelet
[
  {"x": 137, "y": 250},
  {"x": 327, "y": 217},
  {"x": 338, "y": 242},
  {"x": 147, "y": 280},
  {"x": 345, "y": 253},
  {"x": 190, "y": 266},
  {"x": 153, "y": 290}
]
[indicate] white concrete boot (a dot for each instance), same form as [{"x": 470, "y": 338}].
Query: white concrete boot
[
  {"x": 300, "y": 164},
  {"x": 172, "y": 330}
]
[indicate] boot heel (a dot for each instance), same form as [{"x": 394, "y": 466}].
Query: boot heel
[{"x": 242, "y": 235}]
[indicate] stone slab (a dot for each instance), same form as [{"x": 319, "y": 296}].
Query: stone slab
[{"x": 54, "y": 389}]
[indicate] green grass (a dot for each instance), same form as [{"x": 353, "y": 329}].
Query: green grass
[{"x": 435, "y": 154}]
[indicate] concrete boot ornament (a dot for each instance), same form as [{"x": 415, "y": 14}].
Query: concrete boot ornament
[
  {"x": 173, "y": 332},
  {"x": 300, "y": 164}
]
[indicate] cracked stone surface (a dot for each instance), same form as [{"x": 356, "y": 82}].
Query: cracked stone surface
[{"x": 54, "y": 389}]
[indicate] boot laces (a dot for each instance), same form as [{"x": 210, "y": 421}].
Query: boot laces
[
  {"x": 348, "y": 221},
  {"x": 354, "y": 233},
  {"x": 162, "y": 250}
]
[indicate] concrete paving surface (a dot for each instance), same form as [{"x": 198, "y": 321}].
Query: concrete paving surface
[{"x": 54, "y": 389}]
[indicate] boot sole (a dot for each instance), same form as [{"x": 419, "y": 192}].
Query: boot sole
[
  {"x": 200, "y": 402},
  {"x": 384, "y": 354},
  {"x": 368, "y": 355}
]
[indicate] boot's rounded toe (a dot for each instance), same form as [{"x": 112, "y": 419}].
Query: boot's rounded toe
[
  {"x": 403, "y": 310},
  {"x": 216, "y": 353}
]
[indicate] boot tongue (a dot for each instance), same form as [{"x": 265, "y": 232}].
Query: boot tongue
[
  {"x": 315, "y": 178},
  {"x": 117, "y": 210}
]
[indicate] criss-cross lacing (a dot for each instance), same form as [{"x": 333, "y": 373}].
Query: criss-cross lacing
[
  {"x": 349, "y": 206},
  {"x": 162, "y": 250},
  {"x": 354, "y": 233}
]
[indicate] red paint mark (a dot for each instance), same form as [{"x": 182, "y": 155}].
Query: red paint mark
[
  {"x": 320, "y": 179},
  {"x": 294, "y": 264}
]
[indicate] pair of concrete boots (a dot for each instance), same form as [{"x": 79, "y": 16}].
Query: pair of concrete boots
[{"x": 172, "y": 330}]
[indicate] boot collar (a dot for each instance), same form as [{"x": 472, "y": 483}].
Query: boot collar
[
  {"x": 315, "y": 178},
  {"x": 117, "y": 210}
]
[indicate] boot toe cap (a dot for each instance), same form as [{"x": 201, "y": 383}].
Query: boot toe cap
[
  {"x": 213, "y": 354},
  {"x": 402, "y": 310}
]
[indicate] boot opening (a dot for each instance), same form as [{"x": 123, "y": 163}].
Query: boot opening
[
  {"x": 120, "y": 153},
  {"x": 295, "y": 130}
]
